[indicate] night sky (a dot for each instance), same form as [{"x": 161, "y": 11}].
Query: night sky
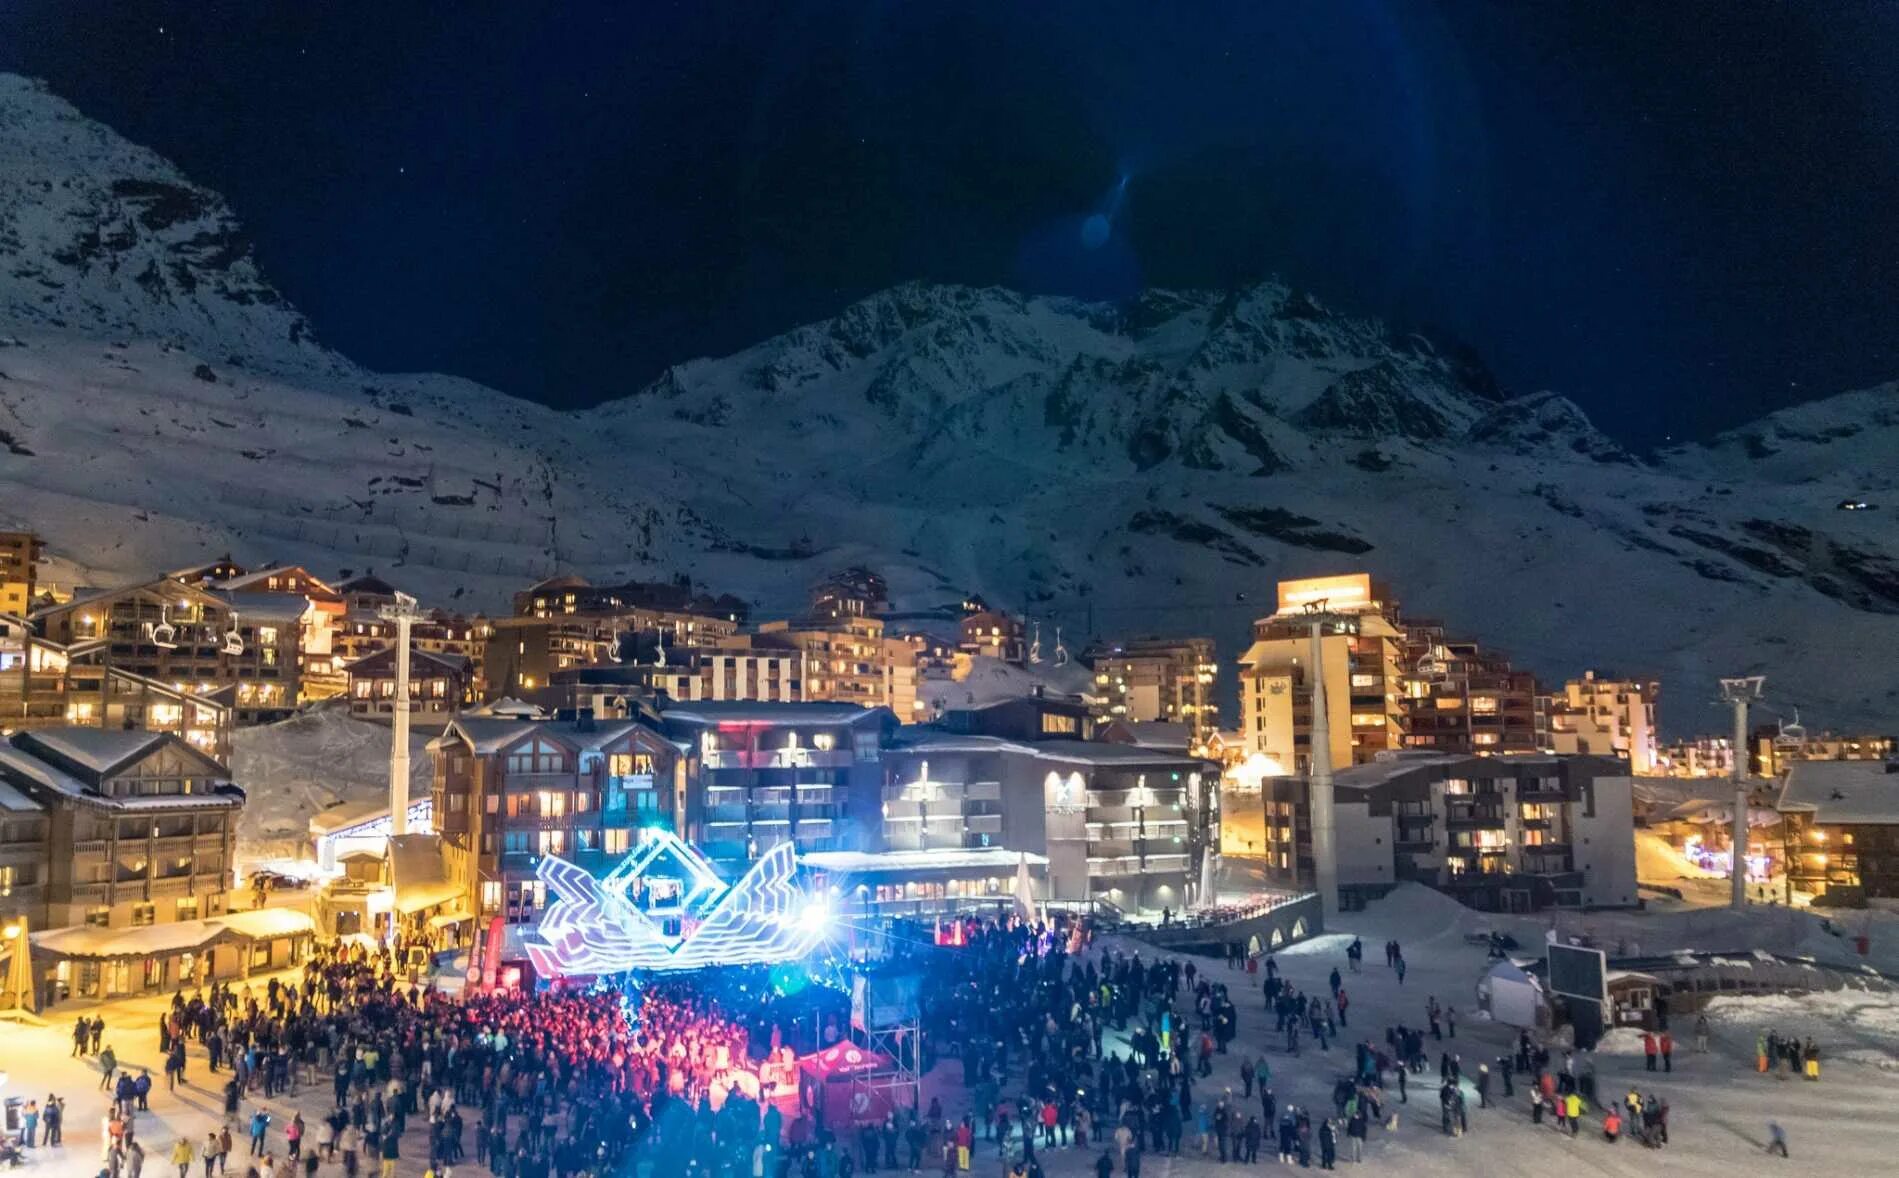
[{"x": 1681, "y": 214}]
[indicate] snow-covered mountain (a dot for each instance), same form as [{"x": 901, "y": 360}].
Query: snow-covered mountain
[{"x": 1113, "y": 470}]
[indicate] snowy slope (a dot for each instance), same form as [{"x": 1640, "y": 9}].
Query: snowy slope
[
  {"x": 1114, "y": 470},
  {"x": 296, "y": 768}
]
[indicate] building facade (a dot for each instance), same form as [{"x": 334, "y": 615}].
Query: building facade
[
  {"x": 439, "y": 684},
  {"x": 1157, "y": 680},
  {"x": 1516, "y": 834},
  {"x": 19, "y": 571},
  {"x": 1462, "y": 699},
  {"x": 848, "y": 660},
  {"x": 1362, "y": 651},
  {"x": 113, "y": 829},
  {"x": 1841, "y": 827},
  {"x": 566, "y": 623},
  {"x": 506, "y": 791},
  {"x": 763, "y": 773},
  {"x": 1607, "y": 717},
  {"x": 42, "y": 685},
  {"x": 196, "y": 639},
  {"x": 1120, "y": 824}
]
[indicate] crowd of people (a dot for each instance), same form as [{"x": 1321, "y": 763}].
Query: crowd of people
[{"x": 1060, "y": 1048}]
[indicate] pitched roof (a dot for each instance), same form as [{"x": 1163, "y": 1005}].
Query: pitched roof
[
  {"x": 455, "y": 663},
  {"x": 98, "y": 750},
  {"x": 261, "y": 577},
  {"x": 762, "y": 712},
  {"x": 491, "y": 734},
  {"x": 279, "y": 607},
  {"x": 1156, "y": 734},
  {"x": 1097, "y": 752},
  {"x": 1842, "y": 791},
  {"x": 12, "y": 799}
]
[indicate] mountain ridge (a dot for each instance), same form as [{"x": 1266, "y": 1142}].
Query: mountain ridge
[{"x": 1108, "y": 469}]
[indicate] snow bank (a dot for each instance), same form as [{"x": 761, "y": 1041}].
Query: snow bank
[
  {"x": 292, "y": 769},
  {"x": 992, "y": 681}
]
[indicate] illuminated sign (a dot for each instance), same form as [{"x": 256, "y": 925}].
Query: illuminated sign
[
  {"x": 1353, "y": 591},
  {"x": 664, "y": 907}
]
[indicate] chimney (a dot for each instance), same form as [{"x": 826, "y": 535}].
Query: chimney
[{"x": 583, "y": 720}]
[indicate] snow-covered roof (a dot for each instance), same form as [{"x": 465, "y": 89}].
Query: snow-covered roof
[
  {"x": 262, "y": 576},
  {"x": 917, "y": 738},
  {"x": 268, "y": 607},
  {"x": 761, "y": 712},
  {"x": 99, "y": 750},
  {"x": 1844, "y": 792},
  {"x": 998, "y": 859},
  {"x": 29, "y": 768},
  {"x": 1096, "y": 752},
  {"x": 491, "y": 734},
  {"x": 12, "y": 799},
  {"x": 20, "y": 762},
  {"x": 157, "y": 940},
  {"x": 267, "y": 923},
  {"x": 1158, "y": 734},
  {"x": 458, "y": 663}
]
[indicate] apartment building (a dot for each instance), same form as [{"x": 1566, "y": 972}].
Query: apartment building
[
  {"x": 849, "y": 660},
  {"x": 1459, "y": 698},
  {"x": 198, "y": 640},
  {"x": 993, "y": 634},
  {"x": 43, "y": 686},
  {"x": 129, "y": 829},
  {"x": 766, "y": 773},
  {"x": 320, "y": 664},
  {"x": 1842, "y": 828},
  {"x": 565, "y": 623},
  {"x": 508, "y": 790},
  {"x": 362, "y": 630},
  {"x": 1117, "y": 823},
  {"x": 1701, "y": 756},
  {"x": 853, "y": 593},
  {"x": 439, "y": 685},
  {"x": 1157, "y": 680},
  {"x": 1607, "y": 717},
  {"x": 19, "y": 571},
  {"x": 1362, "y": 650},
  {"x": 1512, "y": 833},
  {"x": 1779, "y": 748}
]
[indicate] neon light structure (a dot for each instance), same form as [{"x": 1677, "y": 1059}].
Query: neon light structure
[{"x": 664, "y": 907}]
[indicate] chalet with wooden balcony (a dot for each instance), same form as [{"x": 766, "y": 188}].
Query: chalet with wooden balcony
[{"x": 507, "y": 791}]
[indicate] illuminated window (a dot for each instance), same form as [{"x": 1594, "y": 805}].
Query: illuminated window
[
  {"x": 1367, "y": 720},
  {"x": 553, "y": 842},
  {"x": 616, "y": 842},
  {"x": 1485, "y": 704}
]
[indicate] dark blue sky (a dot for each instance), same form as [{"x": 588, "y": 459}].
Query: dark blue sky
[{"x": 1680, "y": 214}]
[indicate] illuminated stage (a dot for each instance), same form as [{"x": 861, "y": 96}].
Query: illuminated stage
[{"x": 665, "y": 907}]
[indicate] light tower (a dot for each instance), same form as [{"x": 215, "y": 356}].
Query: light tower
[
  {"x": 1325, "y": 865},
  {"x": 1739, "y": 693},
  {"x": 403, "y": 613}
]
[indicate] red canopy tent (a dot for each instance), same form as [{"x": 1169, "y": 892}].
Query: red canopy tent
[{"x": 825, "y": 1082}]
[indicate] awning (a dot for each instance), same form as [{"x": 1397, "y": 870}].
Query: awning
[
  {"x": 165, "y": 940},
  {"x": 444, "y": 919}
]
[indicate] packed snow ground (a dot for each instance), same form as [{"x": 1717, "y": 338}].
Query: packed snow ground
[{"x": 1720, "y": 1107}]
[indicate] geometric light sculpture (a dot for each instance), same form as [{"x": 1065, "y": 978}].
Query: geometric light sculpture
[{"x": 665, "y": 908}]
